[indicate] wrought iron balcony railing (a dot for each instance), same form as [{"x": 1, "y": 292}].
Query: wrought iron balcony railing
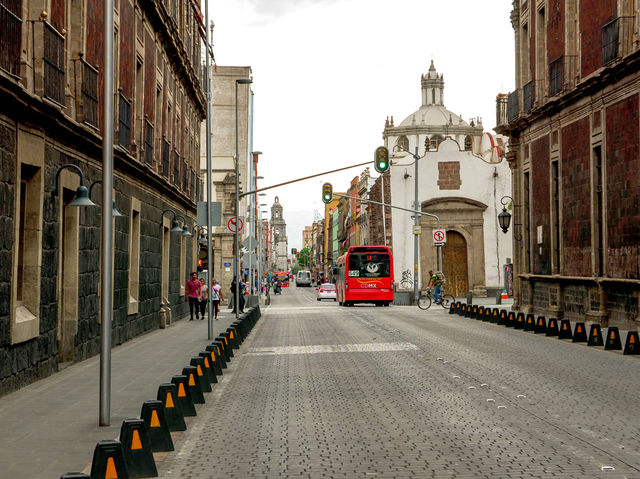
[
  {"x": 527, "y": 96},
  {"x": 89, "y": 94},
  {"x": 617, "y": 39},
  {"x": 513, "y": 108},
  {"x": 54, "y": 72},
  {"x": 10, "y": 35}
]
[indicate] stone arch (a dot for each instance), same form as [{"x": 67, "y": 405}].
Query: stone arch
[
  {"x": 464, "y": 217},
  {"x": 468, "y": 143},
  {"x": 403, "y": 142}
]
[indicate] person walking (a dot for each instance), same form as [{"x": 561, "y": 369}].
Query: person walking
[
  {"x": 216, "y": 297},
  {"x": 203, "y": 297},
  {"x": 193, "y": 294}
]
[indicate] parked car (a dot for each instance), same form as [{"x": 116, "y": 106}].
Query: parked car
[{"x": 327, "y": 291}]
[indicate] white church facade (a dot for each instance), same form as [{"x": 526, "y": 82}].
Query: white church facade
[{"x": 462, "y": 177}]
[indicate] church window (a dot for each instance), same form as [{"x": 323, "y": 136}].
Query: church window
[
  {"x": 403, "y": 143},
  {"x": 468, "y": 143},
  {"x": 435, "y": 141},
  {"x": 433, "y": 96}
]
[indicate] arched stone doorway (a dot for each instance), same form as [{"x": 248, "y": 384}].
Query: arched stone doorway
[{"x": 454, "y": 264}]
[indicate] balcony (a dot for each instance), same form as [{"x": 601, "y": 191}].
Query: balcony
[
  {"x": 562, "y": 74},
  {"x": 10, "y": 35},
  {"x": 53, "y": 64},
  {"x": 617, "y": 39}
]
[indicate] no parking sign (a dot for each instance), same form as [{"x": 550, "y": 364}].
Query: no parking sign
[{"x": 439, "y": 237}]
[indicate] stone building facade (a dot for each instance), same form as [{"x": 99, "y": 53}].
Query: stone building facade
[
  {"x": 379, "y": 226},
  {"x": 575, "y": 143},
  {"x": 223, "y": 142},
  {"x": 51, "y": 56}
]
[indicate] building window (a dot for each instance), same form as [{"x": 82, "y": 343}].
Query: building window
[
  {"x": 124, "y": 123},
  {"x": 10, "y": 35},
  {"x": 435, "y": 141},
  {"x": 468, "y": 143},
  {"x": 53, "y": 64},
  {"x": 148, "y": 143},
  {"x": 134, "y": 256},
  {"x": 166, "y": 148},
  {"x": 556, "y": 76},
  {"x": 89, "y": 94},
  {"x": 403, "y": 143},
  {"x": 166, "y": 239},
  {"x": 27, "y": 252}
]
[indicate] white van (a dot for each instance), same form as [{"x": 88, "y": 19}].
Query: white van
[{"x": 303, "y": 278}]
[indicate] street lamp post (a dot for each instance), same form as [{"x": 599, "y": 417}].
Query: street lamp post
[{"x": 236, "y": 299}]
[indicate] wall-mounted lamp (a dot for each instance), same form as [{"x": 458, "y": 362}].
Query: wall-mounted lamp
[
  {"x": 175, "y": 226},
  {"x": 114, "y": 211},
  {"x": 504, "y": 217},
  {"x": 82, "y": 195}
]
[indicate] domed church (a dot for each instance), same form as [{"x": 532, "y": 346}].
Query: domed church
[{"x": 462, "y": 175}]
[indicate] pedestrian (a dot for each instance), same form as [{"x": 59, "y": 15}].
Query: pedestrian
[
  {"x": 234, "y": 285},
  {"x": 203, "y": 298},
  {"x": 216, "y": 297},
  {"x": 193, "y": 294}
]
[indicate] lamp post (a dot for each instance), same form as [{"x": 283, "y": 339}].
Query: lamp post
[{"x": 236, "y": 299}]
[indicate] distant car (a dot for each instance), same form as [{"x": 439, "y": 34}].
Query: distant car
[{"x": 327, "y": 291}]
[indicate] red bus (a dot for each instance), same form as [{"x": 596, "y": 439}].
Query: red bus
[
  {"x": 365, "y": 275},
  {"x": 283, "y": 277}
]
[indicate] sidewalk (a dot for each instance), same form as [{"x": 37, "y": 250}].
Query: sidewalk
[{"x": 51, "y": 426}]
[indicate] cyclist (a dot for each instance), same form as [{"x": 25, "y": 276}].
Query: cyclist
[{"x": 435, "y": 281}]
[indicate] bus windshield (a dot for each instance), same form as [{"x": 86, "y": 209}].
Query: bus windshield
[{"x": 369, "y": 265}]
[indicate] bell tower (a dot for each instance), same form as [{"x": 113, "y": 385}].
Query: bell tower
[{"x": 432, "y": 87}]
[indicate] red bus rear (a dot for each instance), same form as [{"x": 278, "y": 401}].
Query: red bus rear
[
  {"x": 365, "y": 275},
  {"x": 283, "y": 277}
]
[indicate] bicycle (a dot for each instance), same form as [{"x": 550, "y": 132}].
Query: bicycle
[
  {"x": 406, "y": 282},
  {"x": 426, "y": 298}
]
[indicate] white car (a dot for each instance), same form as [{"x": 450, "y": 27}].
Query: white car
[{"x": 327, "y": 291}]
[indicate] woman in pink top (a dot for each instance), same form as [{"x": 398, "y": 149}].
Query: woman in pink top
[{"x": 193, "y": 295}]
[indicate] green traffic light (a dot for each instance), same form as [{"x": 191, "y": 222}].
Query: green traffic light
[{"x": 380, "y": 162}]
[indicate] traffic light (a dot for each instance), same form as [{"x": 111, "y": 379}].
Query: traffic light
[
  {"x": 327, "y": 193},
  {"x": 381, "y": 159}
]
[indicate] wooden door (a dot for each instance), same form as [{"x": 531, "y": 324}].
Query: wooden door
[{"x": 454, "y": 264}]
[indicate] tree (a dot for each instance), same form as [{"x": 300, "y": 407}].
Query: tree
[{"x": 303, "y": 257}]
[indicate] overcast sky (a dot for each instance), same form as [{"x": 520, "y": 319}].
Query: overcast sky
[{"x": 328, "y": 72}]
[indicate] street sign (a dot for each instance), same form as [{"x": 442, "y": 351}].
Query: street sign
[
  {"x": 417, "y": 230},
  {"x": 439, "y": 236},
  {"x": 227, "y": 265},
  {"x": 235, "y": 224},
  {"x": 439, "y": 244},
  {"x": 249, "y": 243},
  {"x": 216, "y": 213}
]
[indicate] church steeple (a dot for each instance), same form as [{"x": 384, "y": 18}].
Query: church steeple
[{"x": 432, "y": 87}]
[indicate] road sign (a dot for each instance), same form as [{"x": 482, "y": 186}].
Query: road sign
[
  {"x": 439, "y": 236},
  {"x": 227, "y": 265},
  {"x": 249, "y": 243},
  {"x": 232, "y": 224},
  {"x": 216, "y": 213},
  {"x": 417, "y": 230}
]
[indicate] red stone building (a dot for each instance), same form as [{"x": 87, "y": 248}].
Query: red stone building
[{"x": 574, "y": 153}]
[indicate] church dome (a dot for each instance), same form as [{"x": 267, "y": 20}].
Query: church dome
[{"x": 433, "y": 115}]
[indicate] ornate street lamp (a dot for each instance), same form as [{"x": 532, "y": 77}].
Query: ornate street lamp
[{"x": 82, "y": 195}]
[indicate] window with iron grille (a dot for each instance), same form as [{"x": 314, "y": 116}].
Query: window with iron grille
[
  {"x": 148, "y": 143},
  {"x": 10, "y": 35},
  {"x": 176, "y": 168},
  {"x": 184, "y": 177},
  {"x": 53, "y": 64},
  {"x": 124, "y": 122},
  {"x": 165, "y": 158},
  {"x": 89, "y": 94},
  {"x": 512, "y": 106},
  {"x": 192, "y": 189},
  {"x": 556, "y": 76},
  {"x": 527, "y": 96},
  {"x": 610, "y": 37}
]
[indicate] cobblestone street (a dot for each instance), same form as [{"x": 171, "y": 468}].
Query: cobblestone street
[{"x": 323, "y": 391}]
